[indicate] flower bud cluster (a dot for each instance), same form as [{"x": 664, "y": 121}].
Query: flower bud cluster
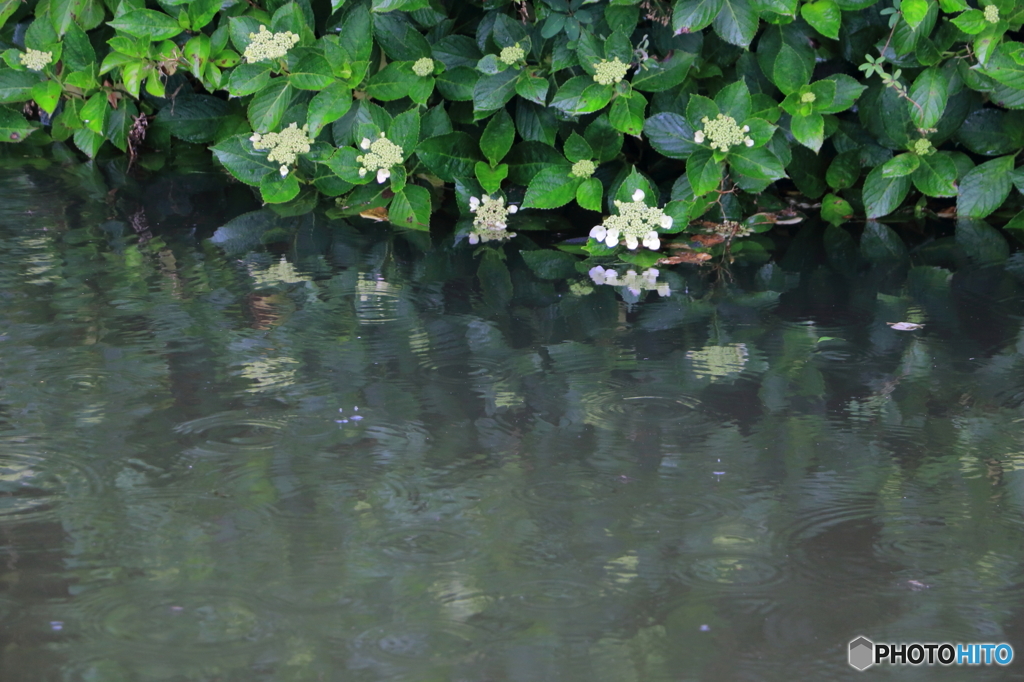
[
  {"x": 808, "y": 97},
  {"x": 636, "y": 222},
  {"x": 490, "y": 224},
  {"x": 382, "y": 155},
  {"x": 992, "y": 14},
  {"x": 583, "y": 169},
  {"x": 923, "y": 147},
  {"x": 645, "y": 281},
  {"x": 610, "y": 72},
  {"x": 511, "y": 55},
  {"x": 267, "y": 45},
  {"x": 724, "y": 132},
  {"x": 423, "y": 67},
  {"x": 35, "y": 60},
  {"x": 284, "y": 146}
]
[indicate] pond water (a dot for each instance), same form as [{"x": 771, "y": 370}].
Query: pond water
[{"x": 367, "y": 462}]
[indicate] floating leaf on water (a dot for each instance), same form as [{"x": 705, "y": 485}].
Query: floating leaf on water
[{"x": 904, "y": 326}]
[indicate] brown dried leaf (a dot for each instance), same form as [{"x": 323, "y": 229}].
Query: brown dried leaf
[
  {"x": 380, "y": 213},
  {"x": 691, "y": 257}
]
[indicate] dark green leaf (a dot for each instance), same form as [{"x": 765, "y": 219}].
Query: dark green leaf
[
  {"x": 692, "y": 16},
  {"x": 313, "y": 72},
  {"x": 242, "y": 161},
  {"x": 16, "y": 86},
  {"x": 548, "y": 264},
  {"x": 581, "y": 95},
  {"x": 497, "y": 137},
  {"x": 883, "y": 195},
  {"x": 456, "y": 85},
  {"x": 410, "y": 208},
  {"x": 268, "y": 106},
  {"x": 577, "y": 148},
  {"x": 980, "y": 242},
  {"x": 449, "y": 156},
  {"x": 627, "y": 114},
  {"x": 985, "y": 188},
  {"x": 664, "y": 75},
  {"x": 835, "y": 210},
  {"x": 528, "y": 158},
  {"x": 992, "y": 132},
  {"x": 936, "y": 175},
  {"x": 808, "y": 130},
  {"x": 879, "y": 244},
  {"x": 14, "y": 127},
  {"x": 846, "y": 94},
  {"x": 900, "y": 165},
  {"x": 328, "y": 106},
  {"x": 147, "y": 24},
  {"x": 736, "y": 23},
  {"x": 929, "y": 93},
  {"x": 589, "y": 194},
  {"x": 276, "y": 189},
  {"x": 194, "y": 118},
  {"x": 392, "y": 82},
  {"x": 704, "y": 173},
  {"x": 844, "y": 171},
  {"x": 532, "y": 87},
  {"x": 405, "y": 131},
  {"x": 758, "y": 163},
  {"x": 245, "y": 79},
  {"x": 493, "y": 92},
  {"x": 550, "y": 188},
  {"x": 825, "y": 17}
]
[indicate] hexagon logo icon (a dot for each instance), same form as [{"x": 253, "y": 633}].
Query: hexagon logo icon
[{"x": 862, "y": 653}]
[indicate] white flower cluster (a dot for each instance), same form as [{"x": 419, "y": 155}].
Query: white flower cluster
[
  {"x": 610, "y": 72},
  {"x": 423, "y": 67},
  {"x": 511, "y": 55},
  {"x": 35, "y": 60},
  {"x": 489, "y": 223},
  {"x": 636, "y": 221},
  {"x": 992, "y": 14},
  {"x": 383, "y": 154},
  {"x": 724, "y": 132},
  {"x": 284, "y": 146},
  {"x": 583, "y": 169},
  {"x": 645, "y": 281},
  {"x": 267, "y": 45}
]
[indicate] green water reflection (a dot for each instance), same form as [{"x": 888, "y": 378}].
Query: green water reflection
[{"x": 373, "y": 460}]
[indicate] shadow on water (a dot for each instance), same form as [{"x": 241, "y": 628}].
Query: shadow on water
[{"x": 238, "y": 445}]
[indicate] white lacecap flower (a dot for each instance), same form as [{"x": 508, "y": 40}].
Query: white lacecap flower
[
  {"x": 382, "y": 155},
  {"x": 35, "y": 60},
  {"x": 490, "y": 222},
  {"x": 284, "y": 146},
  {"x": 265, "y": 45},
  {"x": 635, "y": 223}
]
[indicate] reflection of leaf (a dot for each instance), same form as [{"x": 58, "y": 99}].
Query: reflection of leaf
[{"x": 244, "y": 232}]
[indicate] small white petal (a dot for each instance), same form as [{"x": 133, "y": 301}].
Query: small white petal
[
  {"x": 666, "y": 221},
  {"x": 746, "y": 129},
  {"x": 638, "y": 195},
  {"x": 698, "y": 137},
  {"x": 383, "y": 174},
  {"x": 598, "y": 232},
  {"x": 631, "y": 242},
  {"x": 512, "y": 208},
  {"x": 597, "y": 274},
  {"x": 284, "y": 171},
  {"x": 474, "y": 238},
  {"x": 362, "y": 172},
  {"x": 749, "y": 142},
  {"x": 365, "y": 144}
]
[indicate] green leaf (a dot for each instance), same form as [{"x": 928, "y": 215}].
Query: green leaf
[
  {"x": 194, "y": 118},
  {"x": 392, "y": 82},
  {"x": 846, "y": 94},
  {"x": 835, "y": 210},
  {"x": 589, "y": 194},
  {"x": 808, "y": 130},
  {"x": 16, "y": 86},
  {"x": 930, "y": 91},
  {"x": 985, "y": 188},
  {"x": 457, "y": 84},
  {"x": 411, "y": 208},
  {"x": 492, "y": 92},
  {"x": 605, "y": 140},
  {"x": 704, "y": 173},
  {"x": 844, "y": 171},
  {"x": 405, "y": 131},
  {"x": 78, "y": 53},
  {"x": 14, "y": 127},
  {"x": 94, "y": 112},
  {"x": 914, "y": 12},
  {"x": 242, "y": 161},
  {"x": 577, "y": 148},
  {"x": 734, "y": 100},
  {"x": 936, "y": 176},
  {"x": 882, "y": 195},
  {"x": 399, "y": 37},
  {"x": 532, "y": 87},
  {"x": 549, "y": 264},
  {"x": 313, "y": 72},
  {"x": 328, "y": 106},
  {"x": 398, "y": 5},
  {"x": 693, "y": 16},
  {"x": 88, "y": 142},
  {"x": 490, "y": 178},
  {"x": 670, "y": 135},
  {"x": 147, "y": 24},
  {"x": 528, "y": 158},
  {"x": 758, "y": 163},
  {"x": 900, "y": 165},
  {"x": 343, "y": 164},
  {"x": 664, "y": 75},
  {"x": 550, "y": 188},
  {"x": 880, "y": 244},
  {"x": 971, "y": 22},
  {"x": 497, "y": 137},
  {"x": 736, "y": 23},
  {"x": 790, "y": 72},
  {"x": 245, "y": 79},
  {"x": 277, "y": 190},
  {"x": 449, "y": 156},
  {"x": 1003, "y": 66},
  {"x": 581, "y": 95},
  {"x": 7, "y": 8},
  {"x": 627, "y": 114},
  {"x": 46, "y": 95},
  {"x": 824, "y": 16},
  {"x": 268, "y": 106},
  {"x": 992, "y": 132}
]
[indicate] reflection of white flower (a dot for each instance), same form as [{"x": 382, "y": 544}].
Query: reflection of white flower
[
  {"x": 719, "y": 362},
  {"x": 382, "y": 154},
  {"x": 636, "y": 223},
  {"x": 281, "y": 271},
  {"x": 645, "y": 281},
  {"x": 489, "y": 224}
]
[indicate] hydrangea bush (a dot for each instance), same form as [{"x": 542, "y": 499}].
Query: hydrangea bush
[{"x": 739, "y": 113}]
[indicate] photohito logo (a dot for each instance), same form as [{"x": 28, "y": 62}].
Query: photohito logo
[{"x": 864, "y": 653}]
